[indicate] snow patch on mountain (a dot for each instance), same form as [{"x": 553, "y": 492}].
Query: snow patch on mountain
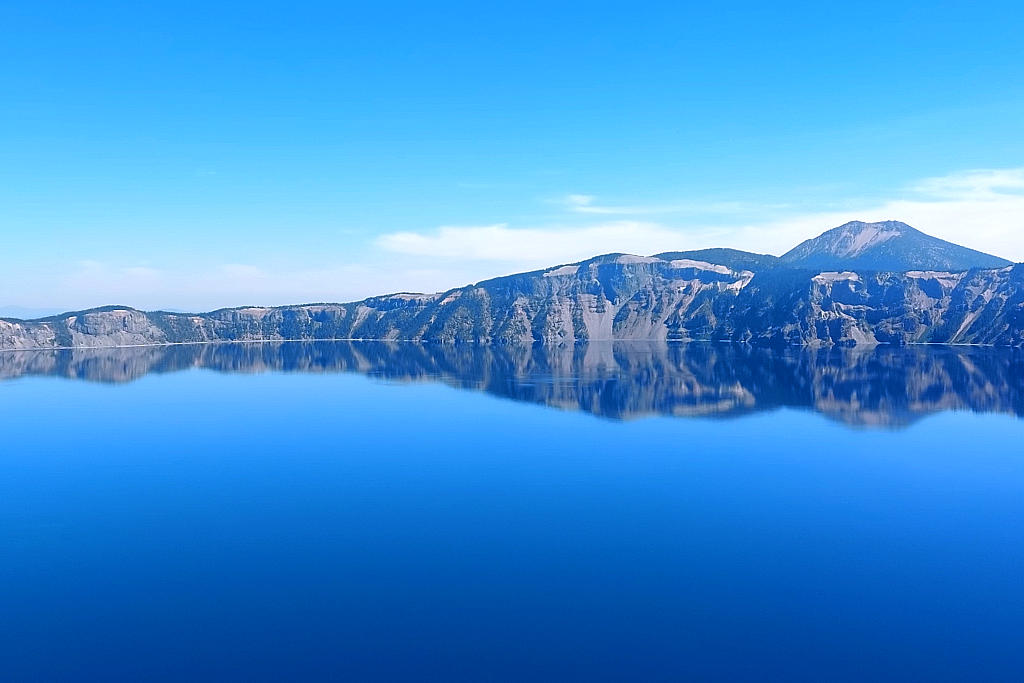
[
  {"x": 745, "y": 277},
  {"x": 629, "y": 258},
  {"x": 563, "y": 271},
  {"x": 701, "y": 265},
  {"x": 947, "y": 280},
  {"x": 828, "y": 278}
]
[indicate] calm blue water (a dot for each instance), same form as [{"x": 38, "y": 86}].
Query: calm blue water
[{"x": 304, "y": 512}]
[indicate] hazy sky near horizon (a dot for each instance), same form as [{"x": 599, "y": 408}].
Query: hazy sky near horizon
[{"x": 197, "y": 155}]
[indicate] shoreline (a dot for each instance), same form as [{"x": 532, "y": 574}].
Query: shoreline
[{"x": 674, "y": 342}]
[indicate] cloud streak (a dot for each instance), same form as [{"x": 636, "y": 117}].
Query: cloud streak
[
  {"x": 586, "y": 204},
  {"x": 982, "y": 209},
  {"x": 94, "y": 283},
  {"x": 979, "y": 184},
  {"x": 532, "y": 246}
]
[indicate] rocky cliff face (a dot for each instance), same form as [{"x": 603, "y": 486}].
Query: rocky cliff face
[{"x": 675, "y": 296}]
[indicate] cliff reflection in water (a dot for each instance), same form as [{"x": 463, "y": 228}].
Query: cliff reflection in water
[{"x": 882, "y": 387}]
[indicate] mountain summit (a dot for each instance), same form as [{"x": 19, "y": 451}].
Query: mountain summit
[{"x": 885, "y": 246}]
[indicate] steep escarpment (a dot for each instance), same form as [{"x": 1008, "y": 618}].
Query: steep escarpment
[
  {"x": 850, "y": 308},
  {"x": 716, "y": 294},
  {"x": 606, "y": 297}
]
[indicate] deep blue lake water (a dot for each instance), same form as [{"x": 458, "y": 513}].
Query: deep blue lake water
[{"x": 365, "y": 512}]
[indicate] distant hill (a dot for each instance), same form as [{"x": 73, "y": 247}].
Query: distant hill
[
  {"x": 859, "y": 284},
  {"x": 734, "y": 258},
  {"x": 887, "y": 246}
]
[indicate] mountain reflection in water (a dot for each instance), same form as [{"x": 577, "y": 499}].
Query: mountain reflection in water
[{"x": 885, "y": 386}]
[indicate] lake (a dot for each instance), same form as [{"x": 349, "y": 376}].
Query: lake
[{"x": 390, "y": 512}]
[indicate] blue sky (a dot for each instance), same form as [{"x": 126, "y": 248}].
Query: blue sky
[{"x": 192, "y": 156}]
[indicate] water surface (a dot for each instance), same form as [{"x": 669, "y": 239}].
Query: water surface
[{"x": 375, "y": 512}]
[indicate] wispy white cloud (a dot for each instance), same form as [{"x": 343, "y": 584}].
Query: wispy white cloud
[
  {"x": 198, "y": 288},
  {"x": 579, "y": 202},
  {"x": 534, "y": 247},
  {"x": 976, "y": 184},
  {"x": 587, "y": 204},
  {"x": 982, "y": 209}
]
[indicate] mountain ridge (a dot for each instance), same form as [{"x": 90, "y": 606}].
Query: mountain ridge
[{"x": 673, "y": 296}]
